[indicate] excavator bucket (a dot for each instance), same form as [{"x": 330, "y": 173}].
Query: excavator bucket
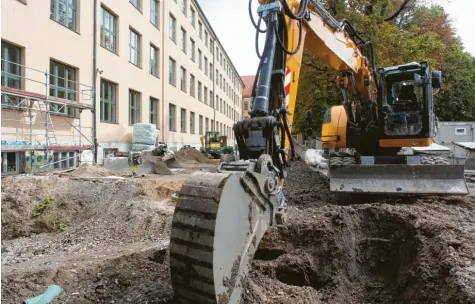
[
  {"x": 399, "y": 179},
  {"x": 167, "y": 165},
  {"x": 218, "y": 223}
]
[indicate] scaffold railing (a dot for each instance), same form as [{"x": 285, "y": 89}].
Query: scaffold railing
[{"x": 44, "y": 111}]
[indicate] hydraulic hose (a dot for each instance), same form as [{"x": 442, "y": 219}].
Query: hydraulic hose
[
  {"x": 300, "y": 13},
  {"x": 256, "y": 26}
]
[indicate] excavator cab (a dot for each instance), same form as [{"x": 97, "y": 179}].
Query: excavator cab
[{"x": 405, "y": 119}]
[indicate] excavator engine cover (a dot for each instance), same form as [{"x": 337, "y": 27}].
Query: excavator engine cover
[
  {"x": 218, "y": 223},
  {"x": 399, "y": 179}
]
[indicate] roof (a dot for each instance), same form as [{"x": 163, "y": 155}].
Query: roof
[{"x": 248, "y": 82}]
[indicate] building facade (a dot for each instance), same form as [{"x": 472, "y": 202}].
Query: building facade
[
  {"x": 248, "y": 82},
  {"x": 94, "y": 68}
]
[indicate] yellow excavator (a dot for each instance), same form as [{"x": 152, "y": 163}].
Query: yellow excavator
[{"x": 221, "y": 217}]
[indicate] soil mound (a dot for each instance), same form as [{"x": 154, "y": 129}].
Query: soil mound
[
  {"x": 192, "y": 155},
  {"x": 95, "y": 171}
]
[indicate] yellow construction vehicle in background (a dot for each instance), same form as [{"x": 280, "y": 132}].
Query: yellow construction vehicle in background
[
  {"x": 214, "y": 146},
  {"x": 211, "y": 144},
  {"x": 221, "y": 217}
]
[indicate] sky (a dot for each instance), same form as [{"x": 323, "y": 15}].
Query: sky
[{"x": 231, "y": 23}]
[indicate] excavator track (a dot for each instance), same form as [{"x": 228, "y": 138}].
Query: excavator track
[{"x": 218, "y": 223}]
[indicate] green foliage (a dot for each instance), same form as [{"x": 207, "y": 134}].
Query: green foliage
[
  {"x": 418, "y": 33},
  {"x": 45, "y": 204},
  {"x": 62, "y": 227}
]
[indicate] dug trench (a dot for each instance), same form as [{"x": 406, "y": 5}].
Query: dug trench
[{"x": 365, "y": 249}]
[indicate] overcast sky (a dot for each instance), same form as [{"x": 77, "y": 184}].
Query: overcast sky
[{"x": 230, "y": 21}]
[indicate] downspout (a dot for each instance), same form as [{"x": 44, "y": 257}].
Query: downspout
[
  {"x": 163, "y": 72},
  {"x": 214, "y": 82},
  {"x": 94, "y": 79}
]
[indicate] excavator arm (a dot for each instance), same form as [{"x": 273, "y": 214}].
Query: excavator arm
[{"x": 221, "y": 217}]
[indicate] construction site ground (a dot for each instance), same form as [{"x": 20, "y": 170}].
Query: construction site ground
[{"x": 103, "y": 237}]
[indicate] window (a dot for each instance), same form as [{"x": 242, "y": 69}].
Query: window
[
  {"x": 217, "y": 77},
  {"x": 217, "y": 127},
  {"x": 200, "y": 127},
  {"x": 62, "y": 85},
  {"x": 134, "y": 107},
  {"x": 211, "y": 45},
  {"x": 206, "y": 95},
  {"x": 221, "y": 81},
  {"x": 155, "y": 13},
  {"x": 154, "y": 59},
  {"x": 192, "y": 85},
  {"x": 200, "y": 65},
  {"x": 134, "y": 44},
  {"x": 217, "y": 53},
  {"x": 172, "y": 117},
  {"x": 192, "y": 122},
  {"x": 64, "y": 12},
  {"x": 200, "y": 30},
  {"x": 206, "y": 125},
  {"x": 183, "y": 40},
  {"x": 183, "y": 79},
  {"x": 154, "y": 110},
  {"x": 171, "y": 71},
  {"x": 108, "y": 101},
  {"x": 211, "y": 100},
  {"x": 183, "y": 120},
  {"x": 199, "y": 90},
  {"x": 108, "y": 30},
  {"x": 192, "y": 49},
  {"x": 210, "y": 71},
  {"x": 193, "y": 16},
  {"x": 206, "y": 66},
  {"x": 183, "y": 6},
  {"x": 172, "y": 28},
  {"x": 206, "y": 38},
  {"x": 11, "y": 71},
  {"x": 212, "y": 125},
  {"x": 217, "y": 102},
  {"x": 137, "y": 4}
]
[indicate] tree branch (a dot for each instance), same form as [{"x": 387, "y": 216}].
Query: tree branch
[{"x": 403, "y": 5}]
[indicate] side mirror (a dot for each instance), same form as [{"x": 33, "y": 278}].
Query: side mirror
[{"x": 436, "y": 79}]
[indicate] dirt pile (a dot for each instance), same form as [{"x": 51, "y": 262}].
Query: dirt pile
[
  {"x": 95, "y": 171},
  {"x": 193, "y": 155},
  {"x": 100, "y": 241},
  {"x": 381, "y": 250}
]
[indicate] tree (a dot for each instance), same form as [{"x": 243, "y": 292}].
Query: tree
[{"x": 401, "y": 31}]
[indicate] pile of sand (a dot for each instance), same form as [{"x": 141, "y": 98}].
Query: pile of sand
[{"x": 192, "y": 155}]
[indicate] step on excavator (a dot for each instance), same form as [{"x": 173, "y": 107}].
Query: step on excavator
[{"x": 221, "y": 217}]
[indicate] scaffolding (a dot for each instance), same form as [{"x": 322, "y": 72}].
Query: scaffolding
[{"x": 48, "y": 122}]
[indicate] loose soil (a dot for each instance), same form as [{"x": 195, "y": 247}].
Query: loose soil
[
  {"x": 106, "y": 242},
  {"x": 102, "y": 242},
  {"x": 365, "y": 249},
  {"x": 193, "y": 155}
]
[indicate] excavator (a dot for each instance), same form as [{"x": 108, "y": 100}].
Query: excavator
[{"x": 221, "y": 217}]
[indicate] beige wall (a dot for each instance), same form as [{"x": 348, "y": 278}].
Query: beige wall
[{"x": 43, "y": 38}]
